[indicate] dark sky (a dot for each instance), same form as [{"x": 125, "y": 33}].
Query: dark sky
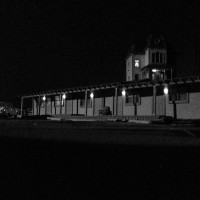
[{"x": 62, "y": 43}]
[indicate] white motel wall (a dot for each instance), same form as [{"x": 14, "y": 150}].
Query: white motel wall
[{"x": 182, "y": 100}]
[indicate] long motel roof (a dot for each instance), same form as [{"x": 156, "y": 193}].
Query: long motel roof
[{"x": 120, "y": 85}]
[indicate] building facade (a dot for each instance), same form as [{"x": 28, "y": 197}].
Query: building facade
[{"x": 150, "y": 90}]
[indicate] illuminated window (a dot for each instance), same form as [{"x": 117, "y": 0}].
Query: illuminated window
[{"x": 137, "y": 63}]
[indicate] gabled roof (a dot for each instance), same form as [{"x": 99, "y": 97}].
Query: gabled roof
[{"x": 156, "y": 41}]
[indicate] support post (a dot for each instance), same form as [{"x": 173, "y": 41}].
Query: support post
[
  {"x": 77, "y": 106},
  {"x": 22, "y": 102},
  {"x": 60, "y": 104},
  {"x": 116, "y": 102},
  {"x": 174, "y": 108},
  {"x": 93, "y": 105},
  {"x": 165, "y": 104},
  {"x": 33, "y": 105},
  {"x": 66, "y": 105},
  {"x": 165, "y": 101},
  {"x": 86, "y": 102},
  {"x": 122, "y": 105},
  {"x": 154, "y": 100},
  {"x": 51, "y": 104},
  {"x": 45, "y": 106},
  {"x": 135, "y": 106},
  {"x": 39, "y": 104},
  {"x": 72, "y": 104}
]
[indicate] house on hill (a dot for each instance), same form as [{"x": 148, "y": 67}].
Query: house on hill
[{"x": 149, "y": 62}]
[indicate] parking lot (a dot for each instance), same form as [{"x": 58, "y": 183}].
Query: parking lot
[
  {"x": 96, "y": 160},
  {"x": 102, "y": 132}
]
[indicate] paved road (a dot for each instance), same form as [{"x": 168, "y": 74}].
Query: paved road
[{"x": 45, "y": 160}]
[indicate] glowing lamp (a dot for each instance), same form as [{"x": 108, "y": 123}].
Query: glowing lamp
[
  {"x": 154, "y": 70},
  {"x": 92, "y": 95},
  {"x": 166, "y": 90},
  {"x": 64, "y": 96},
  {"x": 44, "y": 98},
  {"x": 123, "y": 92}
]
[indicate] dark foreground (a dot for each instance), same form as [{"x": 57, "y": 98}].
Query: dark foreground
[{"x": 57, "y": 160}]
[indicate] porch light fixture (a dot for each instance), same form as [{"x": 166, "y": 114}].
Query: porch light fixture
[
  {"x": 166, "y": 90},
  {"x": 64, "y": 96},
  {"x": 44, "y": 98},
  {"x": 123, "y": 92},
  {"x": 91, "y": 95},
  {"x": 154, "y": 70}
]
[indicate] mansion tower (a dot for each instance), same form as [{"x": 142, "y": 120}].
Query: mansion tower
[{"x": 150, "y": 62}]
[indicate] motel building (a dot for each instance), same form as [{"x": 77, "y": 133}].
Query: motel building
[{"x": 150, "y": 91}]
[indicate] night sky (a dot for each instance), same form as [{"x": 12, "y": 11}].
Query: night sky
[{"x": 62, "y": 43}]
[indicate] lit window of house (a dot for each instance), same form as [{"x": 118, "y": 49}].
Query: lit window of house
[{"x": 137, "y": 63}]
